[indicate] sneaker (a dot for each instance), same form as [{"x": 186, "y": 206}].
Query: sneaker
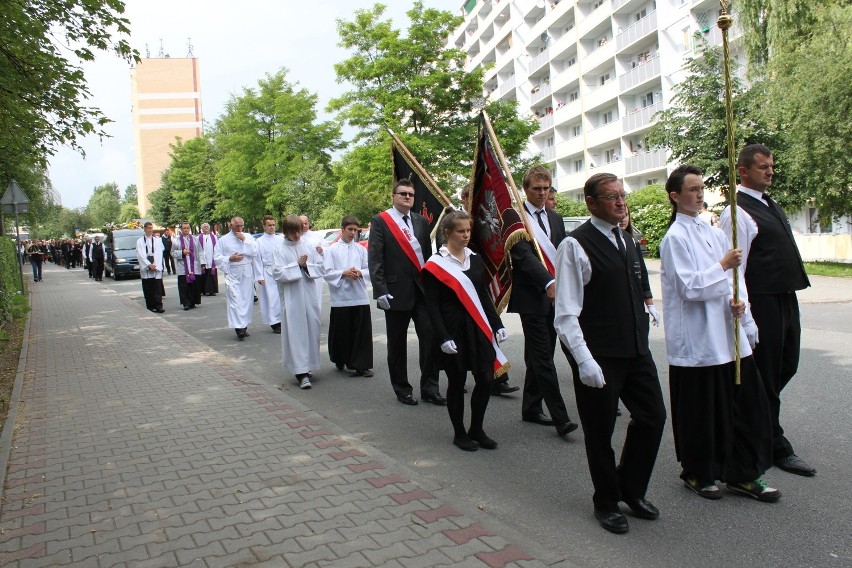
[
  {"x": 757, "y": 489},
  {"x": 305, "y": 383},
  {"x": 703, "y": 489}
]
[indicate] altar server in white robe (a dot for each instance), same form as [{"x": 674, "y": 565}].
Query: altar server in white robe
[
  {"x": 234, "y": 254},
  {"x": 315, "y": 241},
  {"x": 350, "y": 331},
  {"x": 722, "y": 429},
  {"x": 267, "y": 288},
  {"x": 296, "y": 267},
  {"x": 149, "y": 253}
]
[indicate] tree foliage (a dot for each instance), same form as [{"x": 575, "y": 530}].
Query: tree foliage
[
  {"x": 412, "y": 83},
  {"x": 264, "y": 141},
  {"x": 650, "y": 212},
  {"x": 694, "y": 126},
  {"x": 43, "y": 90},
  {"x": 191, "y": 181},
  {"x": 104, "y": 205}
]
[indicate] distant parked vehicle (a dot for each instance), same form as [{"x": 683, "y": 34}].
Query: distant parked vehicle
[
  {"x": 572, "y": 223},
  {"x": 120, "y": 253}
]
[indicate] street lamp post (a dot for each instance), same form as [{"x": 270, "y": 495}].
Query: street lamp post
[{"x": 15, "y": 201}]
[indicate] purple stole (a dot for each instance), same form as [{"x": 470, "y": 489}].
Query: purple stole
[{"x": 189, "y": 271}]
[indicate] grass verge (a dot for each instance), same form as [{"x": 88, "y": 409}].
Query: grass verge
[{"x": 838, "y": 269}]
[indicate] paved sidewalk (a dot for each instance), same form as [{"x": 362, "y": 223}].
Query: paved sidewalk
[{"x": 136, "y": 445}]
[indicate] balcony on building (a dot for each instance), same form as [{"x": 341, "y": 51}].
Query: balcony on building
[
  {"x": 540, "y": 92},
  {"x": 641, "y": 117},
  {"x": 572, "y": 181},
  {"x": 603, "y": 133},
  {"x": 600, "y": 94},
  {"x": 643, "y": 72},
  {"x": 593, "y": 14},
  {"x": 563, "y": 37},
  {"x": 508, "y": 85},
  {"x": 598, "y": 51},
  {"x": 564, "y": 72},
  {"x": 637, "y": 31},
  {"x": 539, "y": 60},
  {"x": 566, "y": 108},
  {"x": 651, "y": 160},
  {"x": 569, "y": 147},
  {"x": 549, "y": 154}
]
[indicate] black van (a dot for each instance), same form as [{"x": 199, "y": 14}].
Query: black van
[{"x": 121, "y": 261}]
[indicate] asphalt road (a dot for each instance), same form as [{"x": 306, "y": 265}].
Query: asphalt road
[{"x": 539, "y": 483}]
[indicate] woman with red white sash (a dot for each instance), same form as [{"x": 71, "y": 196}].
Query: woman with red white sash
[{"x": 465, "y": 326}]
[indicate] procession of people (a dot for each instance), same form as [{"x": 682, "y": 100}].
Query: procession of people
[{"x": 587, "y": 290}]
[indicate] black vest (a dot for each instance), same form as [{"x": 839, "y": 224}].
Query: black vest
[
  {"x": 613, "y": 319},
  {"x": 97, "y": 251},
  {"x": 774, "y": 265}
]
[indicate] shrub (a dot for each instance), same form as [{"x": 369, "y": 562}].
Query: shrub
[
  {"x": 650, "y": 212},
  {"x": 12, "y": 304}
]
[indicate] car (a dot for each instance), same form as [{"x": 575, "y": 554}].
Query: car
[
  {"x": 120, "y": 253},
  {"x": 572, "y": 223},
  {"x": 363, "y": 237},
  {"x": 641, "y": 240}
]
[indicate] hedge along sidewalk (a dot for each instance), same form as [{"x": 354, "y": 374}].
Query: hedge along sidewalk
[{"x": 134, "y": 443}]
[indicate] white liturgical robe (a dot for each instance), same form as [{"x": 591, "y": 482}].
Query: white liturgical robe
[
  {"x": 267, "y": 293},
  {"x": 239, "y": 277},
  {"x": 346, "y": 291},
  {"x": 300, "y": 313}
]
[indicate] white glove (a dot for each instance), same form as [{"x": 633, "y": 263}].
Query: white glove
[
  {"x": 591, "y": 374},
  {"x": 384, "y": 301},
  {"x": 751, "y": 335},
  {"x": 449, "y": 347},
  {"x": 655, "y": 315},
  {"x": 502, "y": 335}
]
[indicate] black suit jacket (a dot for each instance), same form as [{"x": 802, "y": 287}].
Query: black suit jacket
[
  {"x": 529, "y": 275},
  {"x": 391, "y": 272}
]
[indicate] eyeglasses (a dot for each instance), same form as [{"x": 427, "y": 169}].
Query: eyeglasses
[
  {"x": 612, "y": 197},
  {"x": 405, "y": 194}
]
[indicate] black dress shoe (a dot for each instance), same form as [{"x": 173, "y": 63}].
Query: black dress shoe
[
  {"x": 186, "y": 308},
  {"x": 465, "y": 443},
  {"x": 435, "y": 399},
  {"x": 503, "y": 388},
  {"x": 241, "y": 334},
  {"x": 160, "y": 310},
  {"x": 795, "y": 464},
  {"x": 483, "y": 440},
  {"x": 565, "y": 429},
  {"x": 643, "y": 509},
  {"x": 613, "y": 521},
  {"x": 542, "y": 419},
  {"x": 407, "y": 399}
]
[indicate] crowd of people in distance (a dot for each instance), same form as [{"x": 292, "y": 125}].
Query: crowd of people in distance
[{"x": 587, "y": 291}]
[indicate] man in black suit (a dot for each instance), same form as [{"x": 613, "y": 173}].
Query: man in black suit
[
  {"x": 97, "y": 259},
  {"x": 168, "y": 260},
  {"x": 533, "y": 291},
  {"x": 603, "y": 327},
  {"x": 399, "y": 246},
  {"x": 773, "y": 272}
]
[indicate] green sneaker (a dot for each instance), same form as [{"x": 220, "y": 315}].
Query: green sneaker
[
  {"x": 757, "y": 489},
  {"x": 708, "y": 490}
]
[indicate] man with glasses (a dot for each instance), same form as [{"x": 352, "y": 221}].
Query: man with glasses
[
  {"x": 603, "y": 327},
  {"x": 533, "y": 290},
  {"x": 398, "y": 248}
]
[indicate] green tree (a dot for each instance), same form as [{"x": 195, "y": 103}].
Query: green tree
[
  {"x": 412, "y": 83},
  {"x": 43, "y": 90},
  {"x": 264, "y": 140},
  {"x": 131, "y": 195},
  {"x": 128, "y": 212},
  {"x": 570, "y": 207},
  {"x": 191, "y": 177},
  {"x": 650, "y": 212},
  {"x": 808, "y": 100},
  {"x": 164, "y": 207},
  {"x": 694, "y": 126},
  {"x": 104, "y": 205}
]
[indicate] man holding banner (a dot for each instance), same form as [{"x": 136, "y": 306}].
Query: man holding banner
[
  {"x": 533, "y": 292},
  {"x": 399, "y": 246}
]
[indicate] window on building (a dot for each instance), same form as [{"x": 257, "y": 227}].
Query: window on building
[
  {"x": 609, "y": 156},
  {"x": 576, "y": 130},
  {"x": 687, "y": 40},
  {"x": 641, "y": 14},
  {"x": 597, "y": 4},
  {"x": 573, "y": 96},
  {"x": 606, "y": 117},
  {"x": 604, "y": 78},
  {"x": 572, "y": 61},
  {"x": 578, "y": 165},
  {"x": 647, "y": 100},
  {"x": 652, "y": 181},
  {"x": 549, "y": 142}
]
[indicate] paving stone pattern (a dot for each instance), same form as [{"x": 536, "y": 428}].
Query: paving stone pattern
[{"x": 136, "y": 445}]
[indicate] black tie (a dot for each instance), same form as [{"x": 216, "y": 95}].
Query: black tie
[
  {"x": 405, "y": 218},
  {"x": 772, "y": 205},
  {"x": 617, "y": 232},
  {"x": 541, "y": 221}
]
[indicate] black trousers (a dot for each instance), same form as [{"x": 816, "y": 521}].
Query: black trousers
[
  {"x": 635, "y": 381},
  {"x": 189, "y": 293},
  {"x": 169, "y": 262},
  {"x": 208, "y": 282},
  {"x": 478, "y": 399},
  {"x": 396, "y": 322},
  {"x": 541, "y": 381},
  {"x": 153, "y": 292},
  {"x": 350, "y": 337},
  {"x": 98, "y": 268},
  {"x": 777, "y": 354},
  {"x": 721, "y": 429}
]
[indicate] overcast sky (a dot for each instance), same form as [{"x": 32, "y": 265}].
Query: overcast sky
[{"x": 237, "y": 43}]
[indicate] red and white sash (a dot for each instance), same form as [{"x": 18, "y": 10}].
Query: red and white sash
[
  {"x": 452, "y": 276},
  {"x": 548, "y": 251},
  {"x": 416, "y": 257}
]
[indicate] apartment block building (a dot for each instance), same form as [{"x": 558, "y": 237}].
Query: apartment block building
[
  {"x": 593, "y": 73},
  {"x": 166, "y": 99}
]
